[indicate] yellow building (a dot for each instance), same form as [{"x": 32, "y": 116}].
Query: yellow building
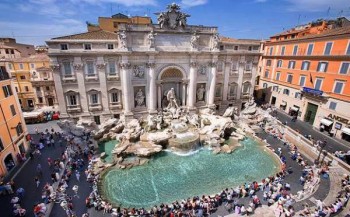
[
  {"x": 33, "y": 81},
  {"x": 111, "y": 23},
  {"x": 12, "y": 126}
]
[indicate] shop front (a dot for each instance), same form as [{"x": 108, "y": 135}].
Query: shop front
[
  {"x": 345, "y": 134},
  {"x": 294, "y": 110},
  {"x": 326, "y": 125}
]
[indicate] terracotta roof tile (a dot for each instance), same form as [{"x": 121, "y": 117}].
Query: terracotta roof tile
[
  {"x": 99, "y": 34},
  {"x": 33, "y": 58}
]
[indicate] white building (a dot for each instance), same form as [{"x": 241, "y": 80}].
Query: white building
[{"x": 101, "y": 74}]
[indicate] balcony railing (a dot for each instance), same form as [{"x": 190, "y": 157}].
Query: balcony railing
[{"x": 304, "y": 53}]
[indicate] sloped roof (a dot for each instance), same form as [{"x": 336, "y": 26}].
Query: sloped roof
[
  {"x": 239, "y": 41},
  {"x": 41, "y": 57},
  {"x": 93, "y": 35}
]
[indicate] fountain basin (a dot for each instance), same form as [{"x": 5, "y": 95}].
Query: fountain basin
[{"x": 169, "y": 177}]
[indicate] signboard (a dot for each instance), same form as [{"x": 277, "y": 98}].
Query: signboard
[
  {"x": 313, "y": 91},
  {"x": 337, "y": 126}
]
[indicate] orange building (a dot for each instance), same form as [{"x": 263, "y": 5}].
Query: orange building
[
  {"x": 111, "y": 23},
  {"x": 12, "y": 126},
  {"x": 306, "y": 72}
]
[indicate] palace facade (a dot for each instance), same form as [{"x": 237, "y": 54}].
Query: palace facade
[{"x": 102, "y": 73}]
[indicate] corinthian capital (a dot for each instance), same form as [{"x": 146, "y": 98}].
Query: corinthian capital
[
  {"x": 213, "y": 64},
  {"x": 150, "y": 65},
  {"x": 125, "y": 65},
  {"x": 193, "y": 64},
  {"x": 55, "y": 67}
]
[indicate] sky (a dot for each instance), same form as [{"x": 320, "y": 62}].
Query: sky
[{"x": 35, "y": 21}]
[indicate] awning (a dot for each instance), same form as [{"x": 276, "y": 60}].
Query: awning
[
  {"x": 346, "y": 130},
  {"x": 326, "y": 122},
  {"x": 294, "y": 108},
  {"x": 283, "y": 104}
]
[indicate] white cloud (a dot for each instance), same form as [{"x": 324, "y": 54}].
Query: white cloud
[
  {"x": 192, "y": 3},
  {"x": 317, "y": 5}
]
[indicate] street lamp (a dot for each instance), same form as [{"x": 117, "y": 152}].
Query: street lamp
[{"x": 322, "y": 146}]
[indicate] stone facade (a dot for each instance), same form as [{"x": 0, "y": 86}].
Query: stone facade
[{"x": 102, "y": 74}]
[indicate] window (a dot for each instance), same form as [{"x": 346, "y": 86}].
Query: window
[
  {"x": 10, "y": 66},
  {"x": 47, "y": 88},
  {"x": 235, "y": 47},
  {"x": 218, "y": 90},
  {"x": 16, "y": 88},
  {"x": 26, "y": 88},
  {"x": 32, "y": 65},
  {"x": 332, "y": 105},
  {"x": 291, "y": 64},
  {"x": 289, "y": 78},
  {"x": 283, "y": 49},
  {"x": 233, "y": 89},
  {"x": 266, "y": 74},
  {"x": 87, "y": 46},
  {"x": 246, "y": 88},
  {"x": 72, "y": 100},
  {"x": 305, "y": 65},
  {"x": 97, "y": 120},
  {"x": 13, "y": 110},
  {"x": 23, "y": 77},
  {"x": 271, "y": 50},
  {"x": 275, "y": 88},
  {"x": 264, "y": 85},
  {"x": 328, "y": 48},
  {"x": 250, "y": 48},
  {"x": 7, "y": 51},
  {"x": 67, "y": 69},
  {"x": 19, "y": 129},
  {"x": 21, "y": 66},
  {"x": 338, "y": 87},
  {"x": 279, "y": 63},
  {"x": 297, "y": 95},
  {"x": 302, "y": 81},
  {"x": 318, "y": 83},
  {"x": 90, "y": 69},
  {"x": 310, "y": 48},
  {"x": 114, "y": 97},
  {"x": 248, "y": 66},
  {"x": 348, "y": 49},
  {"x": 295, "y": 50},
  {"x": 1, "y": 145},
  {"x": 38, "y": 89},
  {"x": 64, "y": 46},
  {"x": 344, "y": 69},
  {"x": 278, "y": 75},
  {"x": 111, "y": 67},
  {"x": 7, "y": 90},
  {"x": 110, "y": 46},
  {"x": 286, "y": 92},
  {"x": 268, "y": 62},
  {"x": 94, "y": 98},
  {"x": 40, "y": 99},
  {"x": 322, "y": 67}
]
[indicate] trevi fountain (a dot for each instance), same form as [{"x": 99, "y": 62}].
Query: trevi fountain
[{"x": 176, "y": 154}]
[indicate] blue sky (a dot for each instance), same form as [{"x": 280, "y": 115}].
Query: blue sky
[{"x": 34, "y": 21}]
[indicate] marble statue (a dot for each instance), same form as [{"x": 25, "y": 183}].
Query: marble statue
[
  {"x": 183, "y": 19},
  {"x": 171, "y": 99},
  {"x": 194, "y": 41},
  {"x": 150, "y": 38},
  {"x": 215, "y": 42},
  {"x": 140, "y": 98},
  {"x": 200, "y": 93},
  {"x": 122, "y": 40}
]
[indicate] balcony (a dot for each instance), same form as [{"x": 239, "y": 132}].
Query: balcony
[
  {"x": 115, "y": 106},
  {"x": 68, "y": 78},
  {"x": 304, "y": 54},
  {"x": 113, "y": 77},
  {"x": 95, "y": 107},
  {"x": 91, "y": 77},
  {"x": 73, "y": 108}
]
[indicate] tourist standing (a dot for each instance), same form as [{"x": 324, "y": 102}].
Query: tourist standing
[{"x": 77, "y": 175}]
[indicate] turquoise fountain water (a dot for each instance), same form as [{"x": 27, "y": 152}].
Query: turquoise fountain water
[{"x": 169, "y": 177}]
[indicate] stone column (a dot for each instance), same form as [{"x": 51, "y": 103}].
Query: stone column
[
  {"x": 240, "y": 78},
  {"x": 62, "y": 102},
  {"x": 101, "y": 72},
  {"x": 159, "y": 84},
  {"x": 227, "y": 70},
  {"x": 152, "y": 101},
  {"x": 184, "y": 83},
  {"x": 80, "y": 75},
  {"x": 211, "y": 98},
  {"x": 126, "y": 87},
  {"x": 192, "y": 85}
]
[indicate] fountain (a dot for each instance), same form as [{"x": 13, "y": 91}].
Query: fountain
[{"x": 175, "y": 150}]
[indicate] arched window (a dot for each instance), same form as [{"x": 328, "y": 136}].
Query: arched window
[
  {"x": 246, "y": 88},
  {"x": 265, "y": 85}
]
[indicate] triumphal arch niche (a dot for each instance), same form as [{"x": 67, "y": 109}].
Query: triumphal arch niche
[{"x": 172, "y": 78}]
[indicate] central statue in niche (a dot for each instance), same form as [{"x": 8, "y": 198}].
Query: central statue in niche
[{"x": 170, "y": 96}]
